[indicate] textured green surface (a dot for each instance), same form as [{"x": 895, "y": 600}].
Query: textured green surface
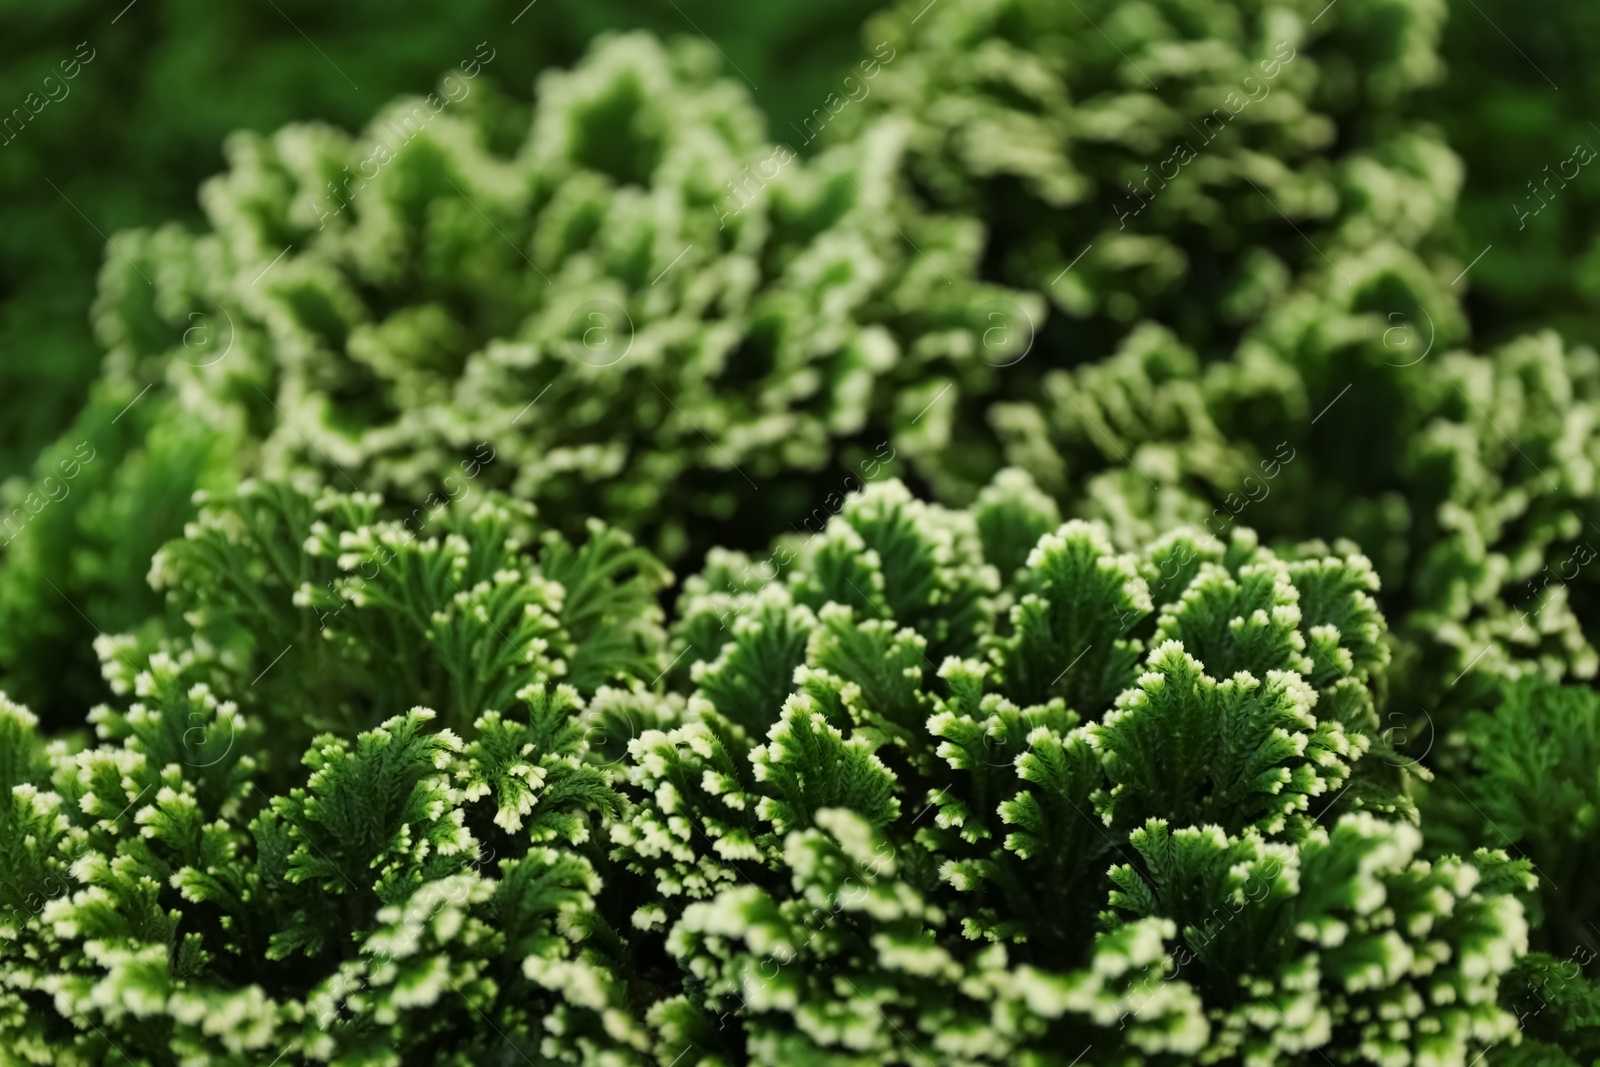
[
  {"x": 1203, "y": 335},
  {"x": 720, "y": 355},
  {"x": 128, "y": 139},
  {"x": 875, "y": 787}
]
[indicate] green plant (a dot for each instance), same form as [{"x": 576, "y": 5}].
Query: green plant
[
  {"x": 122, "y": 140},
  {"x": 575, "y": 300},
  {"x": 1528, "y": 784},
  {"x": 872, "y": 838},
  {"x": 182, "y": 889},
  {"x": 419, "y": 773},
  {"x": 623, "y": 301},
  {"x": 819, "y": 844}
]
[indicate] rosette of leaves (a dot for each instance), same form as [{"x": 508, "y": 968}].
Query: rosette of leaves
[
  {"x": 422, "y": 894},
  {"x": 1256, "y": 345},
  {"x": 1244, "y": 239},
  {"x": 421, "y": 884},
  {"x": 1193, "y": 165},
  {"x": 1132, "y": 808},
  {"x": 640, "y": 292},
  {"x": 828, "y": 834},
  {"x": 322, "y": 616},
  {"x": 1473, "y": 490},
  {"x": 126, "y": 137}
]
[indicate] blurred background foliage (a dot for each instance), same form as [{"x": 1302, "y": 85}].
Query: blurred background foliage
[
  {"x": 143, "y": 123},
  {"x": 1511, "y": 106}
]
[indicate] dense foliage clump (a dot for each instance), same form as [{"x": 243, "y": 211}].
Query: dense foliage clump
[
  {"x": 111, "y": 115},
  {"x": 1135, "y": 595},
  {"x": 885, "y": 801},
  {"x": 1193, "y": 266},
  {"x": 580, "y": 304}
]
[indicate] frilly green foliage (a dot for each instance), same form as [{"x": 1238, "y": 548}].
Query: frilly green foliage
[
  {"x": 654, "y": 314},
  {"x": 123, "y": 139},
  {"x": 1060, "y": 829},
  {"x": 1102, "y": 747},
  {"x": 179, "y": 889},
  {"x": 589, "y": 298},
  {"x": 457, "y": 609},
  {"x": 1532, "y": 788},
  {"x": 378, "y": 912},
  {"x": 581, "y": 297},
  {"x": 818, "y": 843},
  {"x": 1273, "y": 338}
]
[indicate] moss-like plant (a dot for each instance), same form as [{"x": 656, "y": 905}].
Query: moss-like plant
[{"x": 880, "y": 805}]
